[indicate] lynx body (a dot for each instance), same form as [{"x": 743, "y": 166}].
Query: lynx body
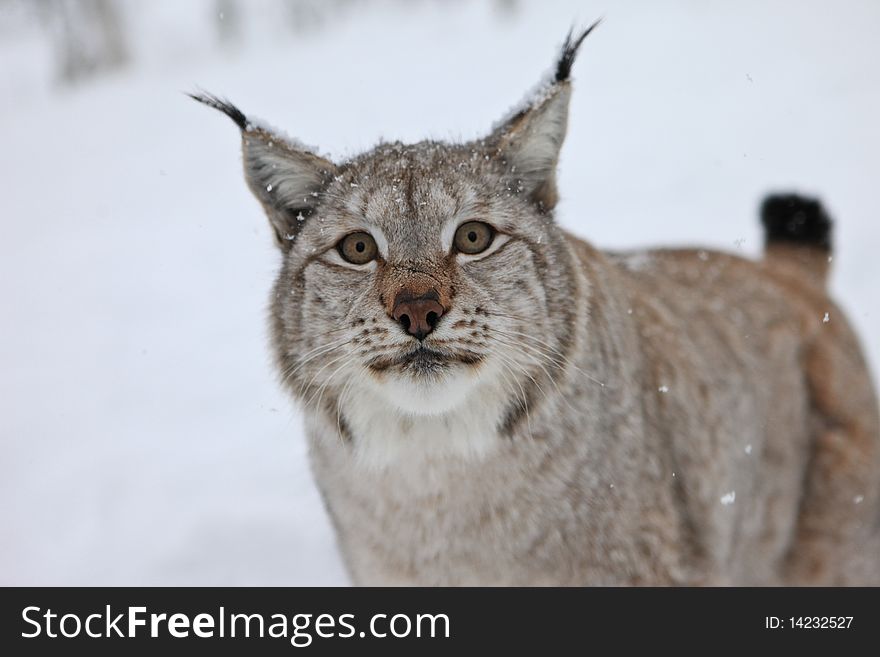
[{"x": 491, "y": 400}]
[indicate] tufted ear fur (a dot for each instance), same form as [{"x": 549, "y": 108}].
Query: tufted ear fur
[
  {"x": 285, "y": 177},
  {"x": 530, "y": 140}
]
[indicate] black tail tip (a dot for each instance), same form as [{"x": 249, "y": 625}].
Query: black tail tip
[
  {"x": 795, "y": 219},
  {"x": 569, "y": 52}
]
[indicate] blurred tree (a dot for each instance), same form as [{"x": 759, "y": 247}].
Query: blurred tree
[
  {"x": 228, "y": 15},
  {"x": 308, "y": 15},
  {"x": 87, "y": 36},
  {"x": 507, "y": 8}
]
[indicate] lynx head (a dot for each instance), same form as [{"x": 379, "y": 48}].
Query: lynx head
[{"x": 426, "y": 281}]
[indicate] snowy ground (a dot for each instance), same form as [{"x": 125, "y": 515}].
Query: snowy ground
[{"x": 144, "y": 438}]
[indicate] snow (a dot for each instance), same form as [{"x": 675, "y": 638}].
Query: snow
[
  {"x": 638, "y": 261},
  {"x": 255, "y": 124},
  {"x": 728, "y": 498},
  {"x": 144, "y": 435}
]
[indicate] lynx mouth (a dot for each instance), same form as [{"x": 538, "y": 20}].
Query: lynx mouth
[{"x": 424, "y": 361}]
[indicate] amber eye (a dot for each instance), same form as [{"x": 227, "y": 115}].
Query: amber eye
[
  {"x": 358, "y": 248},
  {"x": 473, "y": 237}
]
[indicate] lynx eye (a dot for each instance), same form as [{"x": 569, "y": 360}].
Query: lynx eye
[
  {"x": 473, "y": 237},
  {"x": 357, "y": 248}
]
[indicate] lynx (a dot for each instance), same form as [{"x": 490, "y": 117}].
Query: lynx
[{"x": 490, "y": 400}]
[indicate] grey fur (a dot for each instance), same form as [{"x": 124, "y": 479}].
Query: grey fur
[{"x": 668, "y": 417}]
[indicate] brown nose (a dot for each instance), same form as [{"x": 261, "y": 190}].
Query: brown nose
[{"x": 418, "y": 315}]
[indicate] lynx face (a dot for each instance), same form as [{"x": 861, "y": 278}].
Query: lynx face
[
  {"x": 420, "y": 281},
  {"x": 445, "y": 285}
]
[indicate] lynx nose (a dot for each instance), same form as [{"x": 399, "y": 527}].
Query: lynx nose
[{"x": 418, "y": 315}]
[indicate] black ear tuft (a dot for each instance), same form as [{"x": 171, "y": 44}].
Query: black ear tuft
[
  {"x": 796, "y": 220},
  {"x": 569, "y": 52},
  {"x": 224, "y": 106}
]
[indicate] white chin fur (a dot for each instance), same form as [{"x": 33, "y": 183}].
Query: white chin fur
[
  {"x": 423, "y": 396},
  {"x": 401, "y": 421}
]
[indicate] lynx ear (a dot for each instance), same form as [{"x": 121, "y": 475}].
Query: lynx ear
[
  {"x": 287, "y": 179},
  {"x": 529, "y": 145},
  {"x": 529, "y": 141}
]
